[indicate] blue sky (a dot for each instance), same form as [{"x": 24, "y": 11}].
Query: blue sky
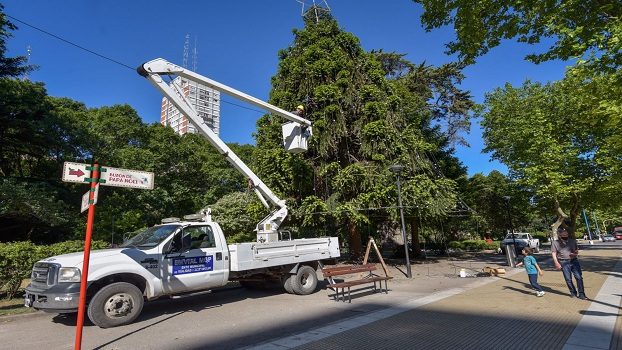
[{"x": 237, "y": 44}]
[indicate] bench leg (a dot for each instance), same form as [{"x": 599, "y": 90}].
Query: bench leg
[{"x": 349, "y": 297}]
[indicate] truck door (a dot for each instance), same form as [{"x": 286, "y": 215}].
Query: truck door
[{"x": 194, "y": 261}]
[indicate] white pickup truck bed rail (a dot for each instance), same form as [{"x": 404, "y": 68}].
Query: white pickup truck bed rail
[{"x": 250, "y": 256}]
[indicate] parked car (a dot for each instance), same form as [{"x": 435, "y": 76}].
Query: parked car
[
  {"x": 607, "y": 238},
  {"x": 617, "y": 235},
  {"x": 522, "y": 240}
]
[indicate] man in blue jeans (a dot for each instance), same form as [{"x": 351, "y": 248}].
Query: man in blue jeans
[{"x": 565, "y": 251}]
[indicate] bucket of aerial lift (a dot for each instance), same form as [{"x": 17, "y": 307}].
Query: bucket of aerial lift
[{"x": 295, "y": 137}]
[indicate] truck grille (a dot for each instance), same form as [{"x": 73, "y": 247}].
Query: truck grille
[{"x": 44, "y": 273}]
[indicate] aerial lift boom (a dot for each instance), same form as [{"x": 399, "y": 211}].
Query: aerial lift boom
[{"x": 296, "y": 133}]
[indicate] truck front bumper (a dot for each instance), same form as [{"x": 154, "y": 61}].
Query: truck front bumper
[{"x": 60, "y": 298}]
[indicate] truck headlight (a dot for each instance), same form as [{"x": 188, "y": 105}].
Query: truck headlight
[{"x": 69, "y": 274}]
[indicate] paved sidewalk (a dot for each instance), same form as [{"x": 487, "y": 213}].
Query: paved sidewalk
[{"x": 490, "y": 314}]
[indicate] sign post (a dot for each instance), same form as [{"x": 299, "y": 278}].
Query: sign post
[
  {"x": 87, "y": 252},
  {"x": 78, "y": 172}
]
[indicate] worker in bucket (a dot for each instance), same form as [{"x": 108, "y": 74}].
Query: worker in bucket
[{"x": 300, "y": 111}]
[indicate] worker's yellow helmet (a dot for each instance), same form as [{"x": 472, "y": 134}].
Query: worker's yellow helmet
[{"x": 300, "y": 107}]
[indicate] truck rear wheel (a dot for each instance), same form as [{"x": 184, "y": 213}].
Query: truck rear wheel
[
  {"x": 305, "y": 280},
  {"x": 116, "y": 304},
  {"x": 287, "y": 284}
]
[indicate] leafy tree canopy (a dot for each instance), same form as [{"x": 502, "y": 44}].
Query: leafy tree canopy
[
  {"x": 560, "y": 140},
  {"x": 578, "y": 28},
  {"x": 369, "y": 110}
]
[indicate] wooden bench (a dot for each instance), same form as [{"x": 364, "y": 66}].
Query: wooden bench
[{"x": 370, "y": 278}]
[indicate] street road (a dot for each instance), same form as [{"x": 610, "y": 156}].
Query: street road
[{"x": 224, "y": 319}]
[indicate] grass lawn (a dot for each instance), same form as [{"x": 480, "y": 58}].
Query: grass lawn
[{"x": 14, "y": 306}]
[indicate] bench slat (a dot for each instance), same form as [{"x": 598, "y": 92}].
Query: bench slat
[
  {"x": 339, "y": 271},
  {"x": 359, "y": 282},
  {"x": 347, "y": 267}
]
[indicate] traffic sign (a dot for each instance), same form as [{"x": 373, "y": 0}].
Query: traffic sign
[
  {"x": 127, "y": 178},
  {"x": 85, "y": 199},
  {"x": 75, "y": 172}
]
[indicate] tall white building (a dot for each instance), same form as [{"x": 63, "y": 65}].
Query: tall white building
[{"x": 206, "y": 102}]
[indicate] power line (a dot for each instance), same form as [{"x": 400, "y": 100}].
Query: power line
[
  {"x": 238, "y": 105},
  {"x": 106, "y": 57},
  {"x": 71, "y": 43}
]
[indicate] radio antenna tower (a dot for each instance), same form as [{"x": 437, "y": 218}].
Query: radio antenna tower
[
  {"x": 186, "y": 51},
  {"x": 316, "y": 9},
  {"x": 28, "y": 51},
  {"x": 195, "y": 55}
]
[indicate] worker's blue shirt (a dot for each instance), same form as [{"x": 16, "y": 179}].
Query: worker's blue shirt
[{"x": 530, "y": 265}]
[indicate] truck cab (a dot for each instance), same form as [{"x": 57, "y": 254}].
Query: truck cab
[
  {"x": 186, "y": 256},
  {"x": 173, "y": 258}
]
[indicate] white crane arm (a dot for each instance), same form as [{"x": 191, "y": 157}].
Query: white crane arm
[{"x": 267, "y": 229}]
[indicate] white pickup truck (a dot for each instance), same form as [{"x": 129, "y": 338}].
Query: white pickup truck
[
  {"x": 522, "y": 240},
  {"x": 174, "y": 258}
]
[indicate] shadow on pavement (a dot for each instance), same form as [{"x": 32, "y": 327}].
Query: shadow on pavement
[{"x": 195, "y": 303}]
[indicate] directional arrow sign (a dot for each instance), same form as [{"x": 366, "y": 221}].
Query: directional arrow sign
[
  {"x": 127, "y": 178},
  {"x": 75, "y": 172}
]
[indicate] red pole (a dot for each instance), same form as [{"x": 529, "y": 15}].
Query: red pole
[{"x": 87, "y": 253}]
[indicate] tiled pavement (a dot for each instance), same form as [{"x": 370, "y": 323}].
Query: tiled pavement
[{"x": 498, "y": 313}]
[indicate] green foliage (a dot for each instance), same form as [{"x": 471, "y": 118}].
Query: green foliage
[
  {"x": 33, "y": 210},
  {"x": 67, "y": 247},
  {"x": 590, "y": 29},
  {"x": 16, "y": 261},
  {"x": 559, "y": 139},
  {"x": 369, "y": 110},
  {"x": 485, "y": 195},
  {"x": 238, "y": 214},
  {"x": 473, "y": 245},
  {"x": 26, "y": 128},
  {"x": 38, "y": 133},
  {"x": 542, "y": 236},
  {"x": 18, "y": 258}
]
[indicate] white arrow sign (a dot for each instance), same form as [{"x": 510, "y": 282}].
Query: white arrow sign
[
  {"x": 127, "y": 178},
  {"x": 75, "y": 172},
  {"x": 85, "y": 199}
]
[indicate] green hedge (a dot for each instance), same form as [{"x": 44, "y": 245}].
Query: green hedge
[
  {"x": 473, "y": 245},
  {"x": 17, "y": 259}
]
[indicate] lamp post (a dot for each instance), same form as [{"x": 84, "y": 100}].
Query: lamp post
[
  {"x": 511, "y": 253},
  {"x": 397, "y": 169}
]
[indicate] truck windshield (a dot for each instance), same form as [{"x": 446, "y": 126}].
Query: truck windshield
[{"x": 150, "y": 237}]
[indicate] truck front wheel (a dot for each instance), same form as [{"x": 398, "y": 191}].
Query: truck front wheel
[
  {"x": 116, "y": 304},
  {"x": 305, "y": 280}
]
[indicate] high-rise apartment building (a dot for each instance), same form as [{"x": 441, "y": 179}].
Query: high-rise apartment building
[{"x": 206, "y": 102}]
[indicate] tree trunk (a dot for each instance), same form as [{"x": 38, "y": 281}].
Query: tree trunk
[
  {"x": 414, "y": 236},
  {"x": 562, "y": 216},
  {"x": 354, "y": 236}
]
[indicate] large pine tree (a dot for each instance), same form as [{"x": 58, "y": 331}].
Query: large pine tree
[{"x": 369, "y": 110}]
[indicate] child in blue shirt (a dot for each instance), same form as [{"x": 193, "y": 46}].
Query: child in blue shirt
[{"x": 533, "y": 270}]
